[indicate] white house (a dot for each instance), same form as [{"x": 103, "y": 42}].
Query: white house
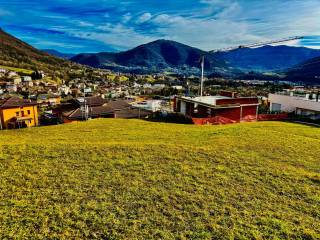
[
  {"x": 12, "y": 74},
  {"x": 302, "y": 104},
  {"x": 28, "y": 84},
  {"x": 64, "y": 89},
  {"x": 17, "y": 80},
  {"x": 151, "y": 105},
  {"x": 11, "y": 87},
  {"x": 26, "y": 78},
  {"x": 178, "y": 87}
]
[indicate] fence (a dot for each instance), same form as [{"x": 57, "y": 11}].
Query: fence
[
  {"x": 250, "y": 118},
  {"x": 273, "y": 117}
]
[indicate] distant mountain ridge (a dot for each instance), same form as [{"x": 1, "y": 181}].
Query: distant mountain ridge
[
  {"x": 162, "y": 55},
  {"x": 308, "y": 71},
  {"x": 157, "y": 55},
  {"x": 303, "y": 64},
  {"x": 268, "y": 58},
  {"x": 59, "y": 54}
]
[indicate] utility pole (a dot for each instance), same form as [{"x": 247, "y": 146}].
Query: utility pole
[
  {"x": 86, "y": 113},
  {"x": 202, "y": 74}
]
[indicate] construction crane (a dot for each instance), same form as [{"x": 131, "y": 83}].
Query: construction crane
[
  {"x": 257, "y": 44},
  {"x": 253, "y": 45}
]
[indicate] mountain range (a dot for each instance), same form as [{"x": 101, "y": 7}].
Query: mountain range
[
  {"x": 296, "y": 63},
  {"x": 267, "y": 58},
  {"x": 160, "y": 55},
  {"x": 59, "y": 54},
  {"x": 164, "y": 55},
  {"x": 308, "y": 71}
]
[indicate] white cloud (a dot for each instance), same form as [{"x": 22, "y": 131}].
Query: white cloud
[
  {"x": 85, "y": 24},
  {"x": 118, "y": 35},
  {"x": 144, "y": 18},
  {"x": 232, "y": 23},
  {"x": 126, "y": 17},
  {"x": 206, "y": 34}
]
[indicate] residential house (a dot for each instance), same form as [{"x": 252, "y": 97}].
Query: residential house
[
  {"x": 151, "y": 105},
  {"x": 64, "y": 90},
  {"x": 84, "y": 108},
  {"x": 301, "y": 103},
  {"x": 227, "y": 107},
  {"x": 16, "y": 80},
  {"x": 26, "y": 78},
  {"x": 16, "y": 112},
  {"x": 12, "y": 74},
  {"x": 97, "y": 107},
  {"x": 45, "y": 100},
  {"x": 10, "y": 87},
  {"x": 28, "y": 84}
]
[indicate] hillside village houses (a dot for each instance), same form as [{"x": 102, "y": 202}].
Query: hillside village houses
[
  {"x": 83, "y": 108},
  {"x": 126, "y": 100}
]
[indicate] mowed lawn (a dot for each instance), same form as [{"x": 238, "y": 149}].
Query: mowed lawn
[{"x": 133, "y": 179}]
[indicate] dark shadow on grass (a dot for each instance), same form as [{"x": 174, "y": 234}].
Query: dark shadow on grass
[{"x": 169, "y": 118}]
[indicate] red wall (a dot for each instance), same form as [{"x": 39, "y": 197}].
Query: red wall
[
  {"x": 249, "y": 110},
  {"x": 230, "y": 113},
  {"x": 272, "y": 117},
  {"x": 227, "y": 94}
]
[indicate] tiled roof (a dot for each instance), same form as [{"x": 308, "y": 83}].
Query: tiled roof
[
  {"x": 94, "y": 112},
  {"x": 16, "y": 102},
  {"x": 132, "y": 113},
  {"x": 91, "y": 101},
  {"x": 118, "y": 104}
]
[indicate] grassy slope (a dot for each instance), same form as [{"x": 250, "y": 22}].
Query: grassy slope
[
  {"x": 18, "y": 54},
  {"x": 19, "y": 70},
  {"x": 136, "y": 179}
]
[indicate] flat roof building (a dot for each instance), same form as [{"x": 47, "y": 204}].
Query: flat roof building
[
  {"x": 224, "y": 108},
  {"x": 304, "y": 104}
]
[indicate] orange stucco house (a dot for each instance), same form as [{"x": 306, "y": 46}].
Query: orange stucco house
[{"x": 18, "y": 113}]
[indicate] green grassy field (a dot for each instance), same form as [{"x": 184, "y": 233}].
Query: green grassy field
[
  {"x": 19, "y": 70},
  {"x": 133, "y": 179}
]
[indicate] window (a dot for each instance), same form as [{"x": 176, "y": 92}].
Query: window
[
  {"x": 17, "y": 114},
  {"x": 28, "y": 112},
  {"x": 276, "y": 107},
  {"x": 22, "y": 113}
]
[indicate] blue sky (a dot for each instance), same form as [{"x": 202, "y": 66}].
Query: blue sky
[{"x": 110, "y": 25}]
